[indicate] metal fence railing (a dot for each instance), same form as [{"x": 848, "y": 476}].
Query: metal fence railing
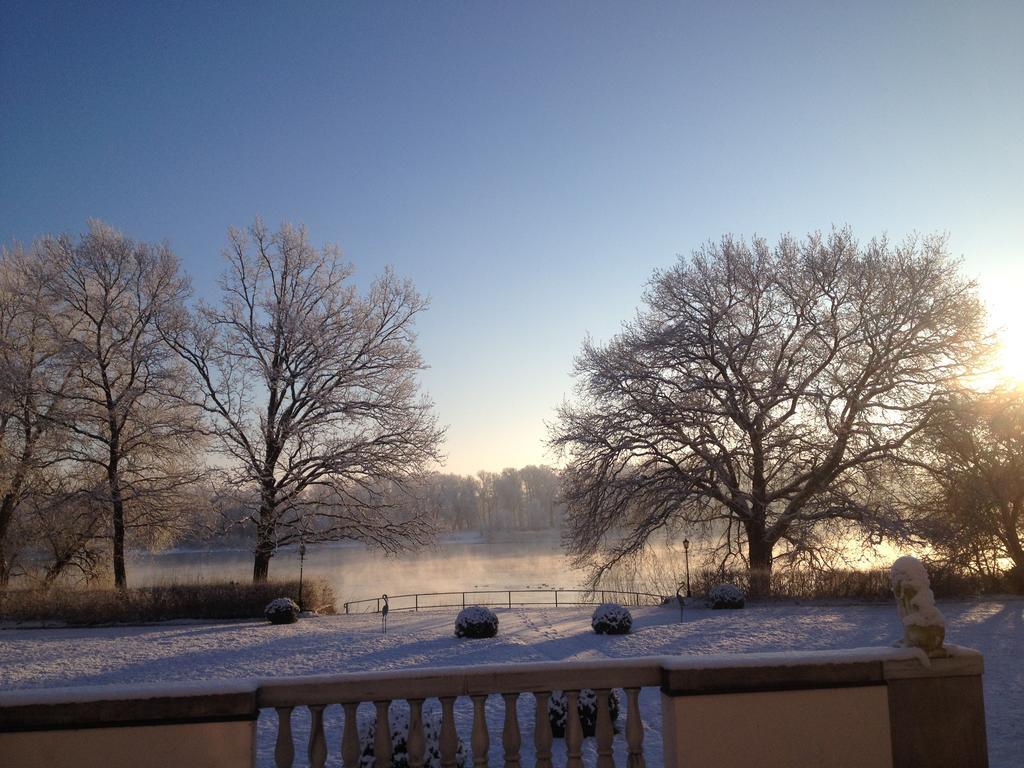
[{"x": 503, "y": 598}]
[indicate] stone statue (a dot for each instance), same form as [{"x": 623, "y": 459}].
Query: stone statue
[{"x": 923, "y": 625}]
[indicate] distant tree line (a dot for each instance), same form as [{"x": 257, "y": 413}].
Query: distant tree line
[{"x": 524, "y": 499}]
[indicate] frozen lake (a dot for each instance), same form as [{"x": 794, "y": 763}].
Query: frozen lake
[{"x": 466, "y": 562}]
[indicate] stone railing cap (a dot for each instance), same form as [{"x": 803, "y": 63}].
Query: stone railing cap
[
  {"x": 694, "y": 675},
  {"x": 136, "y": 704}
]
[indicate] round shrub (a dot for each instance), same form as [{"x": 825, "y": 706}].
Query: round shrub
[
  {"x": 586, "y": 705},
  {"x": 476, "y": 621},
  {"x": 282, "y": 610},
  {"x": 611, "y": 619},
  {"x": 399, "y": 721},
  {"x": 725, "y": 596}
]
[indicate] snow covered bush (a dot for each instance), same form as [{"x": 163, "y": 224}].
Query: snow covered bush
[
  {"x": 725, "y": 596},
  {"x": 558, "y": 705},
  {"x": 476, "y": 621},
  {"x": 611, "y": 619},
  {"x": 923, "y": 625},
  {"x": 399, "y": 721},
  {"x": 282, "y": 610}
]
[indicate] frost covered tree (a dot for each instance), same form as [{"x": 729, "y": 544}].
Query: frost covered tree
[
  {"x": 131, "y": 440},
  {"x": 32, "y": 382},
  {"x": 974, "y": 449},
  {"x": 760, "y": 391},
  {"x": 310, "y": 392}
]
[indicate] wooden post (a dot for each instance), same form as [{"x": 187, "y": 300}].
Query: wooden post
[
  {"x": 603, "y": 730},
  {"x": 480, "y": 741},
  {"x": 510, "y": 739},
  {"x": 449, "y": 740},
  {"x": 317, "y": 749},
  {"x": 417, "y": 744},
  {"x": 634, "y": 730},
  {"x": 542, "y": 730},
  {"x": 382, "y": 735},
  {"x": 350, "y": 751},
  {"x": 573, "y": 731},
  {"x": 284, "y": 749}
]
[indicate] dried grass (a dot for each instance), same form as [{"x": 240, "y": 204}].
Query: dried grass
[{"x": 214, "y": 600}]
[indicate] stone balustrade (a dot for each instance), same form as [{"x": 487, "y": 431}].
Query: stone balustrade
[{"x": 884, "y": 707}]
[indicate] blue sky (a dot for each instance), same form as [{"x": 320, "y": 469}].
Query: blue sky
[{"x": 527, "y": 164}]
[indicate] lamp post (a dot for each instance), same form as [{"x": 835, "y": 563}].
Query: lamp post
[
  {"x": 302, "y": 559},
  {"x": 686, "y": 552}
]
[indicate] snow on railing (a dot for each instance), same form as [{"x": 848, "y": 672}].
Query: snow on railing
[{"x": 477, "y": 686}]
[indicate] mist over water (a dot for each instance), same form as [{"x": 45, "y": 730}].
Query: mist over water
[
  {"x": 461, "y": 562},
  {"x": 457, "y": 563}
]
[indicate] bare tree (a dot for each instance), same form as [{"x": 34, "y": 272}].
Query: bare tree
[
  {"x": 974, "y": 515},
  {"x": 760, "y": 391},
  {"x": 67, "y": 525},
  {"x": 32, "y": 381},
  {"x": 124, "y": 405},
  {"x": 311, "y": 393}
]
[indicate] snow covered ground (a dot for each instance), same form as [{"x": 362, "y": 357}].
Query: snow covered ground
[{"x": 32, "y": 658}]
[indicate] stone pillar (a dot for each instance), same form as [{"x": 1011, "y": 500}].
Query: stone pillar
[
  {"x": 863, "y": 708},
  {"x": 937, "y": 714}
]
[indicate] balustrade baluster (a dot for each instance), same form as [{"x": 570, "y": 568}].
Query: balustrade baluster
[
  {"x": 317, "y": 748},
  {"x": 510, "y": 739},
  {"x": 573, "y": 731},
  {"x": 382, "y": 736},
  {"x": 634, "y": 730},
  {"x": 480, "y": 741},
  {"x": 449, "y": 741},
  {"x": 603, "y": 731},
  {"x": 542, "y": 730},
  {"x": 417, "y": 743},
  {"x": 284, "y": 750},
  {"x": 350, "y": 750}
]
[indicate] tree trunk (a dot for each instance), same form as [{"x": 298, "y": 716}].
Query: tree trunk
[
  {"x": 7, "y": 505},
  {"x": 1016, "y": 552},
  {"x": 117, "y": 507},
  {"x": 261, "y": 563},
  {"x": 759, "y": 557},
  {"x": 264, "y": 536},
  {"x": 6, "y": 515}
]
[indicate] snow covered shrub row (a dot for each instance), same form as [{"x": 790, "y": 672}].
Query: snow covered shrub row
[
  {"x": 558, "y": 705},
  {"x": 725, "y": 596},
  {"x": 282, "y": 610},
  {"x": 611, "y": 619},
  {"x": 399, "y": 722},
  {"x": 476, "y": 621}
]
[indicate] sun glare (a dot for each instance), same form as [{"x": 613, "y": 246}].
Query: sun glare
[
  {"x": 1006, "y": 322},
  {"x": 1008, "y": 363}
]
